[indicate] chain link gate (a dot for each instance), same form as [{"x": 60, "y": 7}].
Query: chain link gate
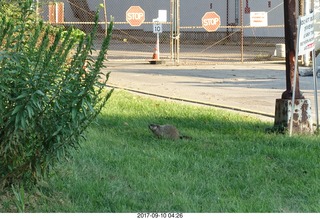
[
  {"x": 78, "y": 13},
  {"x": 184, "y": 37}
]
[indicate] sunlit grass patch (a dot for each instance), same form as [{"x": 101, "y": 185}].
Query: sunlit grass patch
[{"x": 230, "y": 165}]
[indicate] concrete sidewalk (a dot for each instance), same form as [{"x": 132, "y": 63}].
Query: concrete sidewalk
[{"x": 247, "y": 87}]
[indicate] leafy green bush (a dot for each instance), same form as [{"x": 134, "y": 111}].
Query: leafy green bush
[
  {"x": 51, "y": 89},
  {"x": 11, "y": 8}
]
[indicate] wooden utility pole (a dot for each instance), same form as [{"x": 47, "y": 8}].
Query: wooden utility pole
[
  {"x": 290, "y": 24},
  {"x": 296, "y": 113}
]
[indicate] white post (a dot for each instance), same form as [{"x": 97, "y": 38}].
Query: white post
[
  {"x": 295, "y": 78},
  {"x": 317, "y": 24},
  {"x": 157, "y": 28},
  {"x": 37, "y": 10},
  {"x": 105, "y": 16},
  {"x": 158, "y": 46},
  {"x": 307, "y": 7},
  {"x": 315, "y": 9},
  {"x": 315, "y": 82},
  {"x": 56, "y": 11}
]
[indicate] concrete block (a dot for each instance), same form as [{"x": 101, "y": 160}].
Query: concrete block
[{"x": 302, "y": 119}]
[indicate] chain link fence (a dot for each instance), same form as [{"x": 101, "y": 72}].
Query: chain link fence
[
  {"x": 248, "y": 30},
  {"x": 77, "y": 13}
]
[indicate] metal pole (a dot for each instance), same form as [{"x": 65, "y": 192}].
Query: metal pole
[
  {"x": 315, "y": 82},
  {"x": 158, "y": 46},
  {"x": 241, "y": 21},
  {"x": 294, "y": 83},
  {"x": 315, "y": 78},
  {"x": 174, "y": 30},
  {"x": 56, "y": 12},
  {"x": 227, "y": 12},
  {"x": 171, "y": 28},
  {"x": 37, "y": 10},
  {"x": 105, "y": 16},
  {"x": 178, "y": 31}
]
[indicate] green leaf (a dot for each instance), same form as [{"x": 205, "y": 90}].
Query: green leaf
[
  {"x": 57, "y": 132},
  {"x": 30, "y": 111},
  {"x": 40, "y": 93},
  {"x": 74, "y": 113},
  {"x": 21, "y": 96},
  {"x": 17, "y": 109}
]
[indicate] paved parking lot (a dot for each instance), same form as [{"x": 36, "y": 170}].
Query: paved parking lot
[{"x": 246, "y": 87}]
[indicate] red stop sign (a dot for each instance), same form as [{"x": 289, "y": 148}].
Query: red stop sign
[
  {"x": 135, "y": 16},
  {"x": 211, "y": 21}
]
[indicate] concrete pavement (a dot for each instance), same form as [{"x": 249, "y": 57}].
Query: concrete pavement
[{"x": 246, "y": 87}]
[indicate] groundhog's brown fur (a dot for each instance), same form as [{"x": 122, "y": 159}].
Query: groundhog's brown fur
[{"x": 166, "y": 131}]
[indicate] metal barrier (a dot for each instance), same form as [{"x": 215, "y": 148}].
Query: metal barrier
[{"x": 193, "y": 32}]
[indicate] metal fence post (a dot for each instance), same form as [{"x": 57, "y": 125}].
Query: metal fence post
[
  {"x": 242, "y": 35},
  {"x": 171, "y": 29},
  {"x": 178, "y": 31},
  {"x": 105, "y": 16},
  {"x": 37, "y": 9},
  {"x": 175, "y": 30}
]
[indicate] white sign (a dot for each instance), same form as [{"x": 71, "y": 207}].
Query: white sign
[
  {"x": 317, "y": 23},
  {"x": 306, "y": 34},
  {"x": 162, "y": 16},
  {"x": 259, "y": 19},
  {"x": 157, "y": 28}
]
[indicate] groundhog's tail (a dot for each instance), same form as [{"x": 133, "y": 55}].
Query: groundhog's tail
[{"x": 185, "y": 137}]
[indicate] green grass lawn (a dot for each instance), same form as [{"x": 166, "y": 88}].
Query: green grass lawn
[{"x": 230, "y": 165}]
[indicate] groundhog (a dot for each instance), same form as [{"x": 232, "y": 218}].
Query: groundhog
[{"x": 167, "y": 131}]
